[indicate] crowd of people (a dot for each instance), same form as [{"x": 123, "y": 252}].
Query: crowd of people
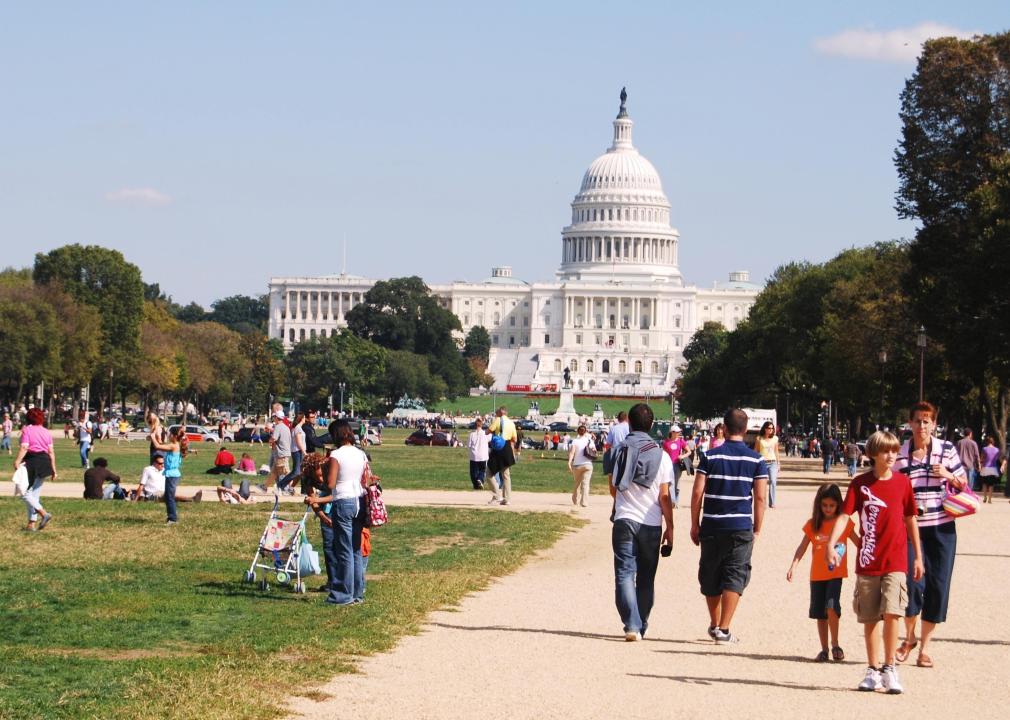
[{"x": 904, "y": 543}]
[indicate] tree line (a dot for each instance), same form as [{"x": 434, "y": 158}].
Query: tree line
[
  {"x": 848, "y": 329},
  {"x": 83, "y": 317}
]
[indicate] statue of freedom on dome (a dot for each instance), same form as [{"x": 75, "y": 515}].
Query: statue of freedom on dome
[{"x": 624, "y": 99}]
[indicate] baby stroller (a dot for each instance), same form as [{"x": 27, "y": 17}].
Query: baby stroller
[{"x": 280, "y": 550}]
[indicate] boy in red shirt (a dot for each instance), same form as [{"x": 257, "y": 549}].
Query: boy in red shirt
[{"x": 886, "y": 506}]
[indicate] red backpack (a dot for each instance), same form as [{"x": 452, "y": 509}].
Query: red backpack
[{"x": 376, "y": 514}]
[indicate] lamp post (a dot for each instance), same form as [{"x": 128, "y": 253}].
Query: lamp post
[
  {"x": 882, "y": 356},
  {"x": 341, "y": 386},
  {"x": 921, "y": 342},
  {"x": 111, "y": 373}
]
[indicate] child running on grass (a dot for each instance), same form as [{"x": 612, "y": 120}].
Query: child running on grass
[
  {"x": 886, "y": 506},
  {"x": 825, "y": 582}
]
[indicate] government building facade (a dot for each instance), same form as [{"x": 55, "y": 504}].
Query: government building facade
[{"x": 617, "y": 315}]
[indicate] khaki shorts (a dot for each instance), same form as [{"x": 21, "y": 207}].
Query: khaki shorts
[
  {"x": 879, "y": 595},
  {"x": 279, "y": 470}
]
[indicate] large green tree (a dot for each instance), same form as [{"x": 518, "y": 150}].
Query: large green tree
[
  {"x": 402, "y": 314},
  {"x": 317, "y": 367},
  {"x": 102, "y": 278},
  {"x": 241, "y": 313},
  {"x": 953, "y": 162}
]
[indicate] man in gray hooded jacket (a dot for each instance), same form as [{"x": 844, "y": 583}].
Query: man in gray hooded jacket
[{"x": 641, "y": 491}]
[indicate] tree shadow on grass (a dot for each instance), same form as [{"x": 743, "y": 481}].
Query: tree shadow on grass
[
  {"x": 689, "y": 680},
  {"x": 562, "y": 633}
]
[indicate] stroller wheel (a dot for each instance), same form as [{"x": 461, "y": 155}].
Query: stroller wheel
[
  {"x": 264, "y": 585},
  {"x": 250, "y": 576},
  {"x": 282, "y": 578}
]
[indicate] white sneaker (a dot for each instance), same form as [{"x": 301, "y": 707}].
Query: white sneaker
[
  {"x": 889, "y": 680},
  {"x": 871, "y": 681},
  {"x": 632, "y": 636},
  {"x": 494, "y": 501},
  {"x": 725, "y": 637}
]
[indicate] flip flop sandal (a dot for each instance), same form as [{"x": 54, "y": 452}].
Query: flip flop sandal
[
  {"x": 904, "y": 650},
  {"x": 822, "y": 656},
  {"x": 837, "y": 653},
  {"x": 924, "y": 661}
]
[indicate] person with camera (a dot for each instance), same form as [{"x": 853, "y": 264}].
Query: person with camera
[
  {"x": 934, "y": 467},
  {"x": 642, "y": 475},
  {"x": 580, "y": 464}
]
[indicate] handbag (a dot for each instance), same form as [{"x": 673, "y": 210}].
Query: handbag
[
  {"x": 962, "y": 503},
  {"x": 308, "y": 560},
  {"x": 375, "y": 509},
  {"x": 20, "y": 480}
]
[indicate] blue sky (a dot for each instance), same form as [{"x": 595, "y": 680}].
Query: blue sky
[{"x": 217, "y": 144}]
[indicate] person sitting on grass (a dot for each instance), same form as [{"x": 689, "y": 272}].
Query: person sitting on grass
[
  {"x": 95, "y": 479},
  {"x": 246, "y": 466},
  {"x": 224, "y": 463},
  {"x": 886, "y": 506},
  {"x": 152, "y": 484}
]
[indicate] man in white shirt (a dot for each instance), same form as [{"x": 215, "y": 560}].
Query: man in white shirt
[
  {"x": 642, "y": 474},
  {"x": 477, "y": 446},
  {"x": 152, "y": 481}
]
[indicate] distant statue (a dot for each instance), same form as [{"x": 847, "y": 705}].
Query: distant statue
[
  {"x": 568, "y": 378},
  {"x": 597, "y": 408},
  {"x": 624, "y": 99}
]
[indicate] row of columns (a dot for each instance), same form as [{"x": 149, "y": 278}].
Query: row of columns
[
  {"x": 638, "y": 308},
  {"x": 316, "y": 302},
  {"x": 619, "y": 249}
]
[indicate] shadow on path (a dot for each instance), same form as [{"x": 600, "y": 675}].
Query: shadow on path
[
  {"x": 960, "y": 554},
  {"x": 689, "y": 680},
  {"x": 750, "y": 656},
  {"x": 563, "y": 633},
  {"x": 963, "y": 641}
]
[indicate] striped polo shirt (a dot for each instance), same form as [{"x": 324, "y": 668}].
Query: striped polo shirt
[
  {"x": 730, "y": 471},
  {"x": 929, "y": 487}
]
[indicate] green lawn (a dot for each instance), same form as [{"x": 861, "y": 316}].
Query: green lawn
[
  {"x": 399, "y": 465},
  {"x": 518, "y": 405},
  {"x": 109, "y": 614}
]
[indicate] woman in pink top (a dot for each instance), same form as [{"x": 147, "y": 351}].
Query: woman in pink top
[
  {"x": 37, "y": 454},
  {"x": 718, "y": 437}
]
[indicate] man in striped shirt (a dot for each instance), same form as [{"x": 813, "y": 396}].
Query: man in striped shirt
[{"x": 725, "y": 520}]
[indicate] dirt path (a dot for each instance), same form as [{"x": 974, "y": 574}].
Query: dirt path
[{"x": 546, "y": 643}]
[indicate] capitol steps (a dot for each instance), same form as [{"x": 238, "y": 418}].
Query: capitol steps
[{"x": 511, "y": 366}]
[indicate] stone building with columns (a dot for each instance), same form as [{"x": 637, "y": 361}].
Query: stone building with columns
[{"x": 617, "y": 315}]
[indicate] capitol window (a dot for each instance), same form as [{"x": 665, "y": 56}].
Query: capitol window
[
  {"x": 645, "y": 341},
  {"x": 605, "y": 368},
  {"x": 547, "y": 319},
  {"x": 547, "y": 339},
  {"x": 291, "y": 335},
  {"x": 589, "y": 365},
  {"x": 557, "y": 366},
  {"x": 497, "y": 319},
  {"x": 526, "y": 321},
  {"x": 622, "y": 367},
  {"x": 578, "y": 339},
  {"x": 638, "y": 366},
  {"x": 654, "y": 368},
  {"x": 512, "y": 320},
  {"x": 574, "y": 365}
]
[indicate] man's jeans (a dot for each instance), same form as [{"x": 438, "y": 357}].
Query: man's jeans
[
  {"x": 636, "y": 557},
  {"x": 852, "y": 465},
  {"x": 171, "y": 484},
  {"x": 973, "y": 480},
  {"x": 85, "y": 447}
]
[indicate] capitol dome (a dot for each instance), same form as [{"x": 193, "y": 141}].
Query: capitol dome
[{"x": 620, "y": 217}]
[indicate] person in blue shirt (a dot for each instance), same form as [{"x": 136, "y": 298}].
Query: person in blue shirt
[{"x": 725, "y": 520}]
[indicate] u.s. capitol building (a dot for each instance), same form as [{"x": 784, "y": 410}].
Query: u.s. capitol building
[{"x": 618, "y": 314}]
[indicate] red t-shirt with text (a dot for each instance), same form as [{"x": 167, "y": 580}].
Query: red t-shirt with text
[{"x": 883, "y": 506}]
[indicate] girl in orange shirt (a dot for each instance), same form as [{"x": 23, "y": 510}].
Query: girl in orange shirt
[{"x": 825, "y": 582}]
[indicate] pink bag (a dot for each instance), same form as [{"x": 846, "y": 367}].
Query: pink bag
[
  {"x": 377, "y": 514},
  {"x": 960, "y": 503}
]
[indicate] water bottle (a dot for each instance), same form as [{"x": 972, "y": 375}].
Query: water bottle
[{"x": 840, "y": 549}]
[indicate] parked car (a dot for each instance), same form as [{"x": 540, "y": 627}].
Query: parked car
[
  {"x": 245, "y": 434},
  {"x": 195, "y": 433},
  {"x": 560, "y": 426},
  {"x": 526, "y": 424},
  {"x": 420, "y": 437}
]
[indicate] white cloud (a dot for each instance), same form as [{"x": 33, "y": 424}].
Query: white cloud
[
  {"x": 898, "y": 45},
  {"x": 147, "y": 197}
]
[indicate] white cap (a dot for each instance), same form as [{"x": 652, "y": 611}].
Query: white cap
[
  {"x": 278, "y": 414},
  {"x": 675, "y": 428}
]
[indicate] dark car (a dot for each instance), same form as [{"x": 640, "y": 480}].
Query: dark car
[
  {"x": 526, "y": 424},
  {"x": 245, "y": 434},
  {"x": 560, "y": 426},
  {"x": 446, "y": 424},
  {"x": 435, "y": 439}
]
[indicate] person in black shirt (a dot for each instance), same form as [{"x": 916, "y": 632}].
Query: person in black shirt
[{"x": 96, "y": 477}]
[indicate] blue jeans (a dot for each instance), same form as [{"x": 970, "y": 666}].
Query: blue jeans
[
  {"x": 5, "y": 444},
  {"x": 773, "y": 479},
  {"x": 296, "y": 459},
  {"x": 973, "y": 480},
  {"x": 31, "y": 499},
  {"x": 348, "y": 518},
  {"x": 85, "y": 446},
  {"x": 827, "y": 463},
  {"x": 636, "y": 557},
  {"x": 852, "y": 465},
  {"x": 171, "y": 485},
  {"x": 329, "y": 557}
]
